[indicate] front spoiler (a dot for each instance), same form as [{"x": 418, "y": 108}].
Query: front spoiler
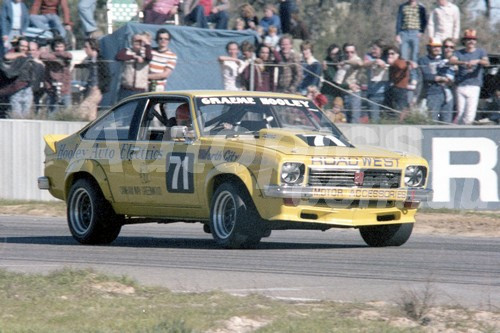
[{"x": 301, "y": 192}]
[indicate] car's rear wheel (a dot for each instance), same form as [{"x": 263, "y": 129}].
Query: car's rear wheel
[
  {"x": 234, "y": 221},
  {"x": 386, "y": 235},
  {"x": 91, "y": 219}
]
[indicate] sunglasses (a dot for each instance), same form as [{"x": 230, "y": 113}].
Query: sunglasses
[{"x": 449, "y": 46}]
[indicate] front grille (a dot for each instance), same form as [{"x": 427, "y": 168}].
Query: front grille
[{"x": 373, "y": 178}]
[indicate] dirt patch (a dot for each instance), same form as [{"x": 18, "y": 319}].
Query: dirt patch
[
  {"x": 241, "y": 325},
  {"x": 56, "y": 209},
  {"x": 466, "y": 224},
  {"x": 114, "y": 288}
]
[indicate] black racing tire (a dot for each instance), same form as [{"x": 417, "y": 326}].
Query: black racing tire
[
  {"x": 386, "y": 235},
  {"x": 234, "y": 220},
  {"x": 91, "y": 219}
]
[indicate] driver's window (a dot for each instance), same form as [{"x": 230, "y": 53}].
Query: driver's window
[
  {"x": 161, "y": 115},
  {"x": 115, "y": 125}
]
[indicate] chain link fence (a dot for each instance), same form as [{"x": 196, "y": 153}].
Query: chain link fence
[{"x": 55, "y": 106}]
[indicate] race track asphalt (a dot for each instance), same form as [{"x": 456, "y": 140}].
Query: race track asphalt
[{"x": 333, "y": 265}]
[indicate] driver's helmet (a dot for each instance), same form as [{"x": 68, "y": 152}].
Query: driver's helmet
[{"x": 182, "y": 115}]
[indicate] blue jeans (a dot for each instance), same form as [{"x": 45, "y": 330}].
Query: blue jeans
[
  {"x": 220, "y": 19},
  {"x": 374, "y": 109},
  {"x": 86, "y": 10},
  {"x": 397, "y": 98},
  {"x": 287, "y": 8},
  {"x": 21, "y": 102},
  {"x": 47, "y": 22},
  {"x": 197, "y": 16},
  {"x": 409, "y": 48},
  {"x": 55, "y": 103},
  {"x": 353, "y": 103},
  {"x": 439, "y": 108}
]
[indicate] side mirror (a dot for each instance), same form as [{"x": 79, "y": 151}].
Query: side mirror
[{"x": 179, "y": 132}]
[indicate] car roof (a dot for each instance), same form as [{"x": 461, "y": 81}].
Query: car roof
[{"x": 222, "y": 93}]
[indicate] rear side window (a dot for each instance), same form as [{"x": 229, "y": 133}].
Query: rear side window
[{"x": 116, "y": 125}]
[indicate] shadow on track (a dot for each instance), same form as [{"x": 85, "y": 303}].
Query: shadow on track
[{"x": 181, "y": 243}]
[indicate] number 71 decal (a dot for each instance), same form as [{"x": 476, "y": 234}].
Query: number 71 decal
[{"x": 180, "y": 173}]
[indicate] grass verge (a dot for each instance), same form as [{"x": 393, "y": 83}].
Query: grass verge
[{"x": 86, "y": 301}]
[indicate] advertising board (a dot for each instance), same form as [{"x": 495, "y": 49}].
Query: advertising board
[{"x": 464, "y": 166}]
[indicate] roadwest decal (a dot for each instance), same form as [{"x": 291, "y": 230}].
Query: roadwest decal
[{"x": 355, "y": 161}]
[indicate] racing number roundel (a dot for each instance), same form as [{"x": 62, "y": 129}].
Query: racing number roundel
[{"x": 180, "y": 173}]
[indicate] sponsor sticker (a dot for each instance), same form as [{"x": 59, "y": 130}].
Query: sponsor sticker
[{"x": 359, "y": 193}]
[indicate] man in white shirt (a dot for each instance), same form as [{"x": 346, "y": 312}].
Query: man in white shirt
[{"x": 444, "y": 21}]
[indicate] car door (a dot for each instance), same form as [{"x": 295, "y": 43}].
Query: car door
[
  {"x": 106, "y": 143},
  {"x": 162, "y": 169}
]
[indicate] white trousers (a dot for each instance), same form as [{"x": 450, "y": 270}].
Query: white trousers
[{"x": 467, "y": 100}]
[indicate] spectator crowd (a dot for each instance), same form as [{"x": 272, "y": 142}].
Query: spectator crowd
[{"x": 386, "y": 82}]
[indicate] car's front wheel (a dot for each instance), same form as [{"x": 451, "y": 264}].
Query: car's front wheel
[
  {"x": 91, "y": 218},
  {"x": 234, "y": 221},
  {"x": 386, "y": 235}
]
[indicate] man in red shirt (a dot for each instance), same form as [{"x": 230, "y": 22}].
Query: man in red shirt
[{"x": 44, "y": 15}]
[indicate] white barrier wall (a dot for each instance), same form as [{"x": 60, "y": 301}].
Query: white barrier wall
[
  {"x": 22, "y": 150},
  {"x": 21, "y": 159}
]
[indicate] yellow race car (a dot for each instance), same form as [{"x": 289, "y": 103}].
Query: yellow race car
[{"x": 241, "y": 163}]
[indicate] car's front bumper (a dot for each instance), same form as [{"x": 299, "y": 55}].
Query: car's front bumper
[{"x": 342, "y": 193}]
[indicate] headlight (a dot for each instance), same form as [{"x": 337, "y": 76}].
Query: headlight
[
  {"x": 415, "y": 176},
  {"x": 292, "y": 173}
]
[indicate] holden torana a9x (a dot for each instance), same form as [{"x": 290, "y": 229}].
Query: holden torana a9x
[{"x": 241, "y": 163}]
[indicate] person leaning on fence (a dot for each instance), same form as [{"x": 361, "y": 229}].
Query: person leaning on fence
[
  {"x": 14, "y": 19},
  {"x": 349, "y": 77},
  {"x": 435, "y": 81},
  {"x": 97, "y": 82},
  {"x": 332, "y": 58},
  {"x": 399, "y": 79},
  {"x": 163, "y": 62},
  {"x": 17, "y": 72},
  {"x": 290, "y": 70},
  {"x": 231, "y": 67},
  {"x": 448, "y": 70},
  {"x": 264, "y": 71},
  {"x": 471, "y": 61},
  {"x": 37, "y": 75},
  {"x": 311, "y": 68},
  {"x": 135, "y": 68},
  {"x": 58, "y": 75},
  {"x": 377, "y": 71}
]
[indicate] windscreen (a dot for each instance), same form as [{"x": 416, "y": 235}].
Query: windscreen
[{"x": 239, "y": 115}]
